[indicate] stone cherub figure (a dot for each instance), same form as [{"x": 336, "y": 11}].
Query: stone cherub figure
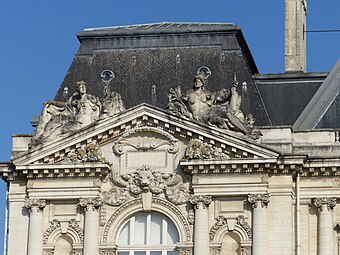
[
  {"x": 80, "y": 110},
  {"x": 220, "y": 109}
]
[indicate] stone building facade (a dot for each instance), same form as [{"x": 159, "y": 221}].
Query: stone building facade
[{"x": 199, "y": 159}]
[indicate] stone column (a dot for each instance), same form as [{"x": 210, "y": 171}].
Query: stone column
[
  {"x": 201, "y": 227},
  {"x": 259, "y": 203},
  {"x": 325, "y": 224},
  {"x": 91, "y": 227},
  {"x": 36, "y": 225}
]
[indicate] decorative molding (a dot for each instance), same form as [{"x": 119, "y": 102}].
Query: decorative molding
[
  {"x": 90, "y": 203},
  {"x": 73, "y": 224},
  {"x": 117, "y": 212},
  {"x": 35, "y": 204},
  {"x": 184, "y": 251},
  {"x": 191, "y": 217},
  {"x": 115, "y": 196},
  {"x": 221, "y": 221},
  {"x": 259, "y": 198},
  {"x": 155, "y": 200},
  {"x": 200, "y": 199},
  {"x": 102, "y": 215},
  {"x": 240, "y": 220},
  {"x": 178, "y": 195},
  {"x": 77, "y": 252},
  {"x": 198, "y": 149},
  {"x": 177, "y": 212},
  {"x": 323, "y": 202},
  {"x": 49, "y": 252},
  {"x": 146, "y": 145},
  {"x": 55, "y": 224}
]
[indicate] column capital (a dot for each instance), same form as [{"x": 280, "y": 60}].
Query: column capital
[
  {"x": 90, "y": 203},
  {"x": 201, "y": 199},
  {"x": 260, "y": 198},
  {"x": 35, "y": 204},
  {"x": 325, "y": 202}
]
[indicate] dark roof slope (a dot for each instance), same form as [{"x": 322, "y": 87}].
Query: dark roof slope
[
  {"x": 147, "y": 60},
  {"x": 286, "y": 95}
]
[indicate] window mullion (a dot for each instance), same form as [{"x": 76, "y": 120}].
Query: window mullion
[
  {"x": 132, "y": 231},
  {"x": 164, "y": 240},
  {"x": 148, "y": 229}
]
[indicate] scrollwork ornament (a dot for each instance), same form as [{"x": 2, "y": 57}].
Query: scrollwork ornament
[
  {"x": 107, "y": 252},
  {"x": 35, "y": 204},
  {"x": 262, "y": 199},
  {"x": 184, "y": 251},
  {"x": 220, "y": 222},
  {"x": 55, "y": 224},
  {"x": 73, "y": 224},
  {"x": 91, "y": 203},
  {"x": 325, "y": 202},
  {"x": 77, "y": 252},
  {"x": 115, "y": 196},
  {"x": 191, "y": 217},
  {"x": 178, "y": 195},
  {"x": 240, "y": 220}
]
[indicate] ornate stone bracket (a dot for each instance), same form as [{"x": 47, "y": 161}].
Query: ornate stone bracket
[
  {"x": 220, "y": 222},
  {"x": 262, "y": 199},
  {"x": 325, "y": 202},
  {"x": 198, "y": 149},
  {"x": 91, "y": 203},
  {"x": 200, "y": 199},
  {"x": 35, "y": 204}
]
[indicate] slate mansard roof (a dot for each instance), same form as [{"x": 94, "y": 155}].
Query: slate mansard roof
[{"x": 149, "y": 59}]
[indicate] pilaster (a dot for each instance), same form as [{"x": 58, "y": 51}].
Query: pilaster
[
  {"x": 91, "y": 227},
  {"x": 201, "y": 227},
  {"x": 259, "y": 203},
  {"x": 325, "y": 224},
  {"x": 36, "y": 225}
]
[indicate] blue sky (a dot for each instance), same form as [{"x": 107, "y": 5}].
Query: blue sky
[{"x": 38, "y": 43}]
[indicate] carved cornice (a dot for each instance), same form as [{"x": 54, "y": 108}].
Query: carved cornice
[
  {"x": 35, "y": 204},
  {"x": 221, "y": 221},
  {"x": 324, "y": 202},
  {"x": 196, "y": 200},
  {"x": 90, "y": 203},
  {"x": 256, "y": 199},
  {"x": 240, "y": 220}
]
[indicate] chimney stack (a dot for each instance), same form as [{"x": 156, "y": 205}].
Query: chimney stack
[{"x": 295, "y": 37}]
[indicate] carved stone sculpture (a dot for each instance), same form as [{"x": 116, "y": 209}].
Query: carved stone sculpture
[
  {"x": 89, "y": 153},
  {"x": 220, "y": 109},
  {"x": 220, "y": 222},
  {"x": 80, "y": 110},
  {"x": 197, "y": 149}
]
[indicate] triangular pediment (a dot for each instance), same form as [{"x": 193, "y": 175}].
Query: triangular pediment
[{"x": 151, "y": 122}]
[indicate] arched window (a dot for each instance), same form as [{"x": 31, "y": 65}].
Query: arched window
[
  {"x": 148, "y": 234},
  {"x": 63, "y": 245}
]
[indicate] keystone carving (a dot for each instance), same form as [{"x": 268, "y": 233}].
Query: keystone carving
[
  {"x": 220, "y": 222},
  {"x": 256, "y": 199},
  {"x": 325, "y": 202},
  {"x": 219, "y": 109},
  {"x": 197, "y": 149},
  {"x": 145, "y": 180},
  {"x": 35, "y": 204}
]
